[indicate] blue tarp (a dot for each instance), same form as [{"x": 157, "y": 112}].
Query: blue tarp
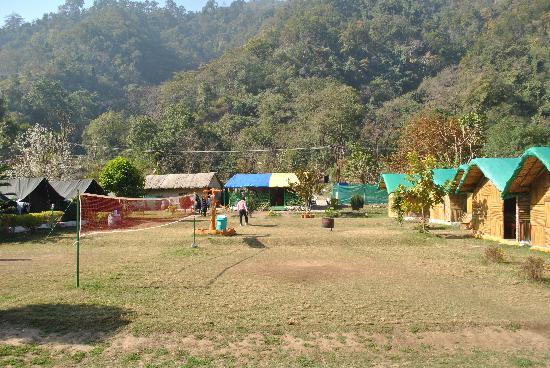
[{"x": 248, "y": 181}]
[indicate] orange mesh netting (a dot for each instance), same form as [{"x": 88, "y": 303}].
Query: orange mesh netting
[{"x": 104, "y": 214}]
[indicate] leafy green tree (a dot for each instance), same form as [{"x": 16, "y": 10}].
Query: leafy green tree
[
  {"x": 106, "y": 135},
  {"x": 309, "y": 183},
  {"x": 122, "y": 178},
  {"x": 361, "y": 166},
  {"x": 423, "y": 194}
]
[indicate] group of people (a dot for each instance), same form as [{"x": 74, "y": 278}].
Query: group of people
[{"x": 202, "y": 204}]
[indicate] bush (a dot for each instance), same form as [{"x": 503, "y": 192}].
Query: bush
[
  {"x": 329, "y": 212},
  {"x": 31, "y": 221},
  {"x": 121, "y": 177},
  {"x": 533, "y": 267},
  {"x": 357, "y": 202},
  {"x": 333, "y": 204},
  {"x": 495, "y": 254}
]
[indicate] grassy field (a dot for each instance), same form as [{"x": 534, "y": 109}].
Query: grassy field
[{"x": 283, "y": 293}]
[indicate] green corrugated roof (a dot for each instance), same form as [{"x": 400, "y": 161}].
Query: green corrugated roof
[
  {"x": 541, "y": 153},
  {"x": 392, "y": 181},
  {"x": 497, "y": 170},
  {"x": 442, "y": 176}
]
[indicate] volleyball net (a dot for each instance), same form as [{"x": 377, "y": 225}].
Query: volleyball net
[{"x": 104, "y": 214}]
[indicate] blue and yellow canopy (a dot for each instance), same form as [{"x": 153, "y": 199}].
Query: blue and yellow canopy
[{"x": 270, "y": 180}]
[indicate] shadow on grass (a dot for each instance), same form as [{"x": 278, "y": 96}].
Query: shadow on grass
[
  {"x": 253, "y": 242},
  {"x": 63, "y": 323},
  {"x": 455, "y": 236},
  {"x": 14, "y": 259},
  {"x": 37, "y": 237}
]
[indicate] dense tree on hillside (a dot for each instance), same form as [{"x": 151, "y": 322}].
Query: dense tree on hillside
[
  {"x": 269, "y": 75},
  {"x": 109, "y": 51},
  {"x": 451, "y": 141}
]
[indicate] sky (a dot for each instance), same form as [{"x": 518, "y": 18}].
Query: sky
[{"x": 34, "y": 9}]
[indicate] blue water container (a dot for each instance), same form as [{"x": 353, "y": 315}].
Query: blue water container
[{"x": 221, "y": 222}]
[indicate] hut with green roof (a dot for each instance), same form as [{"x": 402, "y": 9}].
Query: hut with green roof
[
  {"x": 454, "y": 204},
  {"x": 485, "y": 178},
  {"x": 530, "y": 185},
  {"x": 390, "y": 182}
]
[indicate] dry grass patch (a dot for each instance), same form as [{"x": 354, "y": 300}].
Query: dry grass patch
[{"x": 284, "y": 292}]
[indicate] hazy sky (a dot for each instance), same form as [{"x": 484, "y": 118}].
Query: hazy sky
[{"x": 33, "y": 9}]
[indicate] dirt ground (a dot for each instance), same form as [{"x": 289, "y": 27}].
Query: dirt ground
[{"x": 283, "y": 293}]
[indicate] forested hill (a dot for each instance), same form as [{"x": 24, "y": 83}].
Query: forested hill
[
  {"x": 351, "y": 74},
  {"x": 104, "y": 56}
]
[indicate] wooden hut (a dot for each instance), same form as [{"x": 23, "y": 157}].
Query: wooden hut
[
  {"x": 530, "y": 184},
  {"x": 390, "y": 182},
  {"x": 175, "y": 185},
  {"x": 271, "y": 190},
  {"x": 485, "y": 179},
  {"x": 454, "y": 204}
]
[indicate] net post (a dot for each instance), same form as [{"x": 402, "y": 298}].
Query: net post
[
  {"x": 77, "y": 238},
  {"x": 194, "y": 245},
  {"x": 52, "y": 218}
]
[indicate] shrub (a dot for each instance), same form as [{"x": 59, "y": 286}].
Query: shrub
[
  {"x": 333, "y": 204},
  {"x": 494, "y": 253},
  {"x": 329, "y": 212},
  {"x": 357, "y": 202},
  {"x": 533, "y": 267},
  {"x": 30, "y": 221},
  {"x": 121, "y": 177}
]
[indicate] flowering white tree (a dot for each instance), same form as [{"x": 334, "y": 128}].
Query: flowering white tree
[{"x": 42, "y": 152}]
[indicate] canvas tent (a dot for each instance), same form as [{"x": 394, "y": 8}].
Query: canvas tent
[
  {"x": 68, "y": 188},
  {"x": 454, "y": 205},
  {"x": 174, "y": 185},
  {"x": 485, "y": 179},
  {"x": 271, "y": 189},
  {"x": 530, "y": 184},
  {"x": 390, "y": 182},
  {"x": 36, "y": 191}
]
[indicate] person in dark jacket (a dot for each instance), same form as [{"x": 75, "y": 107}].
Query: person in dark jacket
[{"x": 204, "y": 208}]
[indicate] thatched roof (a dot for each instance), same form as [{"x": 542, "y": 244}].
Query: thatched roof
[{"x": 182, "y": 181}]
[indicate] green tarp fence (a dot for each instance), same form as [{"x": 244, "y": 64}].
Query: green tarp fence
[{"x": 370, "y": 193}]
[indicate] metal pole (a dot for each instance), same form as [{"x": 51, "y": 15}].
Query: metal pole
[
  {"x": 194, "y": 245},
  {"x": 77, "y": 238},
  {"x": 52, "y": 220}
]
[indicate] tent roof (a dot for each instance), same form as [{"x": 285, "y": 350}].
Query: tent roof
[
  {"x": 180, "y": 181},
  {"x": 20, "y": 188},
  {"x": 282, "y": 180},
  {"x": 442, "y": 176},
  {"x": 269, "y": 180},
  {"x": 390, "y": 182},
  {"x": 68, "y": 188},
  {"x": 497, "y": 170},
  {"x": 532, "y": 163}
]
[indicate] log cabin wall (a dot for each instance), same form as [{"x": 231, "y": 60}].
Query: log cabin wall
[
  {"x": 540, "y": 210},
  {"x": 439, "y": 211},
  {"x": 391, "y": 213},
  {"x": 451, "y": 210},
  {"x": 487, "y": 210}
]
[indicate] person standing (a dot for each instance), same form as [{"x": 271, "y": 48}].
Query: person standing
[
  {"x": 243, "y": 211},
  {"x": 204, "y": 203}
]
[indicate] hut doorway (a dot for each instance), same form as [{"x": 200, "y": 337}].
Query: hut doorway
[
  {"x": 510, "y": 218},
  {"x": 277, "y": 196}
]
